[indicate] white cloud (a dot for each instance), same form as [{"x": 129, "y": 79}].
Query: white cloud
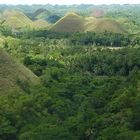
[{"x": 69, "y": 1}]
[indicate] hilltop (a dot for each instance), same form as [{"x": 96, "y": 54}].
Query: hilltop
[
  {"x": 41, "y": 13},
  {"x": 74, "y": 23},
  {"x": 13, "y": 75},
  {"x": 71, "y": 22},
  {"x": 16, "y": 19},
  {"x": 104, "y": 24}
]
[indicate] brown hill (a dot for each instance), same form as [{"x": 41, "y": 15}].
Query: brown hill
[
  {"x": 102, "y": 25},
  {"x": 14, "y": 76},
  {"x": 69, "y": 23}
]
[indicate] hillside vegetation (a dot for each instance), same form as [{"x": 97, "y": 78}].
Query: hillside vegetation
[
  {"x": 70, "y": 78},
  {"x": 13, "y": 75}
]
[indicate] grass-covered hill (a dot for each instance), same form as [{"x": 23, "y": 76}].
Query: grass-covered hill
[
  {"x": 91, "y": 23},
  {"x": 42, "y": 14},
  {"x": 109, "y": 25},
  {"x": 40, "y": 24},
  {"x": 71, "y": 22},
  {"x": 16, "y": 19},
  {"x": 75, "y": 23},
  {"x": 104, "y": 24},
  {"x": 14, "y": 76}
]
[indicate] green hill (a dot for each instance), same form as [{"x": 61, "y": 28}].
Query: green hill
[
  {"x": 42, "y": 14},
  {"x": 90, "y": 23},
  {"x": 102, "y": 25},
  {"x": 75, "y": 23},
  {"x": 14, "y": 76},
  {"x": 16, "y": 19},
  {"x": 40, "y": 24},
  {"x": 69, "y": 23}
]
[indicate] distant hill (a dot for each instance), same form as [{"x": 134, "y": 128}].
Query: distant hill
[
  {"x": 40, "y": 24},
  {"x": 71, "y": 22},
  {"x": 98, "y": 13},
  {"x": 42, "y": 14},
  {"x": 39, "y": 11},
  {"x": 16, "y": 19},
  {"x": 102, "y": 25},
  {"x": 75, "y": 23},
  {"x": 14, "y": 76},
  {"x": 53, "y": 18}
]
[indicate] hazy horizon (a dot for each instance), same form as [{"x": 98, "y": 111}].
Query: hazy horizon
[{"x": 64, "y": 2}]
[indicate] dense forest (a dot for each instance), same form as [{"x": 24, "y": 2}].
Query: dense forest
[{"x": 89, "y": 82}]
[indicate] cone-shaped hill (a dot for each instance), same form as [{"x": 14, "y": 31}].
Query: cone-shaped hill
[
  {"x": 14, "y": 76},
  {"x": 90, "y": 23},
  {"x": 42, "y": 14},
  {"x": 75, "y": 23},
  {"x": 71, "y": 22},
  {"x": 102, "y": 25},
  {"x": 16, "y": 19},
  {"x": 40, "y": 24}
]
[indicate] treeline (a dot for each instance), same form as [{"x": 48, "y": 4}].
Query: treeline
[
  {"x": 87, "y": 38},
  {"x": 101, "y": 39},
  {"x": 107, "y": 62},
  {"x": 44, "y": 34}
]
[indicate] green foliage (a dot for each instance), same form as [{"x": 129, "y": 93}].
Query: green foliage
[
  {"x": 44, "y": 34},
  {"x": 4, "y": 30},
  {"x": 100, "y": 39},
  {"x": 90, "y": 85}
]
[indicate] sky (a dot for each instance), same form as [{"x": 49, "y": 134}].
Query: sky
[{"x": 68, "y": 2}]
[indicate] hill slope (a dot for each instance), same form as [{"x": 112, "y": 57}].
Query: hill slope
[
  {"x": 69, "y": 23},
  {"x": 74, "y": 23},
  {"x": 13, "y": 76},
  {"x": 40, "y": 24},
  {"x": 102, "y": 25},
  {"x": 16, "y": 19},
  {"x": 90, "y": 23},
  {"x": 43, "y": 15}
]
